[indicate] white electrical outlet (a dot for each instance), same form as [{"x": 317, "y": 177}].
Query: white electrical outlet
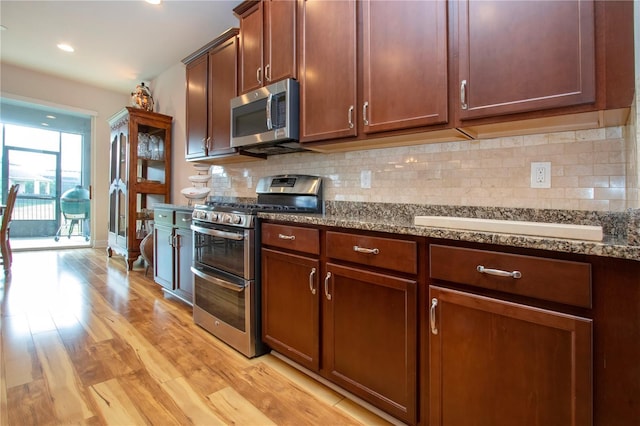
[
  {"x": 541, "y": 175},
  {"x": 365, "y": 179}
]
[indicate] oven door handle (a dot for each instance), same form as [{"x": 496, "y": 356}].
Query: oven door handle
[
  {"x": 218, "y": 233},
  {"x": 217, "y": 281}
]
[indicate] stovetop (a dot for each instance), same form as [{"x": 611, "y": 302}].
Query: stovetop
[
  {"x": 254, "y": 208},
  {"x": 283, "y": 193}
]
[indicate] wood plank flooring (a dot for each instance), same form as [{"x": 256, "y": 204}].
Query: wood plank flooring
[{"x": 84, "y": 342}]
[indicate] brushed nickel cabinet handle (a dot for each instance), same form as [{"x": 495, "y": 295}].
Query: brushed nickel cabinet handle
[
  {"x": 311, "y": 276},
  {"x": 463, "y": 95},
  {"x": 326, "y": 286},
  {"x": 350, "y": 117},
  {"x": 286, "y": 237},
  {"x": 259, "y": 75},
  {"x": 432, "y": 316},
  {"x": 267, "y": 72},
  {"x": 499, "y": 272},
  {"x": 366, "y": 250},
  {"x": 364, "y": 113}
]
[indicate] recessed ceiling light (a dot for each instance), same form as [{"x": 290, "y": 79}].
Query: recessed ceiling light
[
  {"x": 65, "y": 47},
  {"x": 44, "y": 124},
  {"x": 153, "y": 1},
  {"x": 51, "y": 117}
]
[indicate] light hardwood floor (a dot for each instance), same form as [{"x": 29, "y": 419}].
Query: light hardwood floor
[{"x": 84, "y": 342}]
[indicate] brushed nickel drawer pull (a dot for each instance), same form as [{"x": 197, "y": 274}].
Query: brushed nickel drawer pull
[
  {"x": 366, "y": 250},
  {"x": 311, "y": 276},
  {"x": 432, "y": 316},
  {"x": 364, "y": 113},
  {"x": 350, "y": 117},
  {"x": 286, "y": 237},
  {"x": 499, "y": 272},
  {"x": 326, "y": 286},
  {"x": 463, "y": 95}
]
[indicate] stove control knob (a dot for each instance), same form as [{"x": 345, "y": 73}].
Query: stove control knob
[
  {"x": 213, "y": 217},
  {"x": 235, "y": 219}
]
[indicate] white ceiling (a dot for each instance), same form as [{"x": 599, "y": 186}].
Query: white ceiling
[{"x": 117, "y": 44}]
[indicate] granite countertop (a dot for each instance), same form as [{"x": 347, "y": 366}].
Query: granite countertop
[{"x": 621, "y": 230}]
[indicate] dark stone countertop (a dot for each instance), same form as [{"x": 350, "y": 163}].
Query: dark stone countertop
[{"x": 621, "y": 230}]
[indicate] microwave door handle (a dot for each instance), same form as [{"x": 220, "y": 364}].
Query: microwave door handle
[{"x": 269, "y": 123}]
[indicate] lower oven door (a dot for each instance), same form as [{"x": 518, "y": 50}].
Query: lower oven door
[{"x": 226, "y": 307}]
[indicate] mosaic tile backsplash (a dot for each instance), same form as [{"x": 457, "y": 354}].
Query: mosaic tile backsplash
[{"x": 588, "y": 172}]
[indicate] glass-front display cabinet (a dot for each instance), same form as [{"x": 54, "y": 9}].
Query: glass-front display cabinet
[{"x": 140, "y": 176}]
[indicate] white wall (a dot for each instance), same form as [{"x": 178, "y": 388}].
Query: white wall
[
  {"x": 168, "y": 92},
  {"x": 24, "y": 84}
]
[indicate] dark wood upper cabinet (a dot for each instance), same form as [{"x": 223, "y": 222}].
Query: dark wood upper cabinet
[
  {"x": 223, "y": 78},
  {"x": 524, "y": 56},
  {"x": 212, "y": 75},
  {"x": 267, "y": 42},
  {"x": 404, "y": 66},
  {"x": 328, "y": 97},
  {"x": 280, "y": 40},
  {"x": 370, "y": 69},
  {"x": 197, "y": 107}
]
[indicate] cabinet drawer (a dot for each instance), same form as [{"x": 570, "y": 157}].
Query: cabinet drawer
[
  {"x": 306, "y": 240},
  {"x": 183, "y": 220},
  {"x": 398, "y": 255},
  {"x": 547, "y": 279},
  {"x": 163, "y": 216}
]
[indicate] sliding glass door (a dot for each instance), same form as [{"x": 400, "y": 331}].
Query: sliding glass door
[
  {"x": 37, "y": 209},
  {"x": 48, "y": 153}
]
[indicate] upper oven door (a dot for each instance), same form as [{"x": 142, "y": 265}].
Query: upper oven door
[{"x": 225, "y": 248}]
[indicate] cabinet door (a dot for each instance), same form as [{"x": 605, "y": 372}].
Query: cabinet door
[
  {"x": 523, "y": 55},
  {"x": 197, "y": 108},
  {"x": 290, "y": 306},
  {"x": 327, "y": 69},
  {"x": 118, "y": 189},
  {"x": 183, "y": 259},
  {"x": 369, "y": 337},
  {"x": 251, "y": 30},
  {"x": 163, "y": 256},
  {"x": 279, "y": 40},
  {"x": 222, "y": 86},
  {"x": 501, "y": 363},
  {"x": 404, "y": 64}
]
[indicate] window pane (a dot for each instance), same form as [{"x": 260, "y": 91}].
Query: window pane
[{"x": 32, "y": 138}]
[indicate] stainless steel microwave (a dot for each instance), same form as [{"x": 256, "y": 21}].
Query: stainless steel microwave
[{"x": 266, "y": 116}]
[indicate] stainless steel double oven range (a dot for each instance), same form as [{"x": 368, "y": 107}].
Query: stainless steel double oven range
[{"x": 226, "y": 257}]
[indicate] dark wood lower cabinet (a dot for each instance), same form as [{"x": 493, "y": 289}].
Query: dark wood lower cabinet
[
  {"x": 370, "y": 339},
  {"x": 499, "y": 363},
  {"x": 353, "y": 325},
  {"x": 449, "y": 343},
  {"x": 290, "y": 306}
]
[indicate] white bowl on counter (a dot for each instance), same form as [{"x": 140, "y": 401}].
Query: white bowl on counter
[
  {"x": 202, "y": 167},
  {"x": 199, "y": 178},
  {"x": 194, "y": 193}
]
